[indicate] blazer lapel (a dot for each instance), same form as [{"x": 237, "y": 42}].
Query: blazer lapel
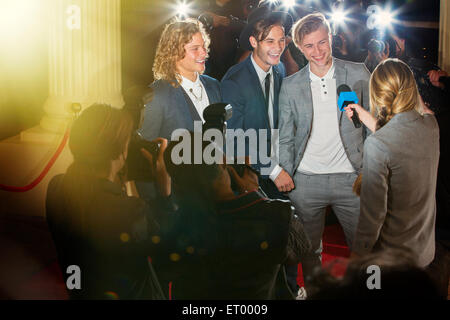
[
  {"x": 303, "y": 97},
  {"x": 257, "y": 86},
  {"x": 188, "y": 111},
  {"x": 340, "y": 74},
  {"x": 212, "y": 94}
]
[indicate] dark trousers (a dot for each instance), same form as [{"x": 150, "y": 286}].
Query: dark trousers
[{"x": 271, "y": 191}]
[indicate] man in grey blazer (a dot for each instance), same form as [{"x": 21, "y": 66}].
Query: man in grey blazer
[{"x": 320, "y": 152}]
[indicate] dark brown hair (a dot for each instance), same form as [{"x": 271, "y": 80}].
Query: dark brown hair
[
  {"x": 262, "y": 28},
  {"x": 97, "y": 137}
]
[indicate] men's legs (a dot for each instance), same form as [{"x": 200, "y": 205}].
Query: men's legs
[
  {"x": 310, "y": 198},
  {"x": 345, "y": 204}
]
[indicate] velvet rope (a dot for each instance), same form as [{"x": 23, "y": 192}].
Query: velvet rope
[{"x": 43, "y": 173}]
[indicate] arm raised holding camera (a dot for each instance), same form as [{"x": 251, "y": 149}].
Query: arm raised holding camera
[{"x": 163, "y": 181}]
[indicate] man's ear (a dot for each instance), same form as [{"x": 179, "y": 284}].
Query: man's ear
[
  {"x": 253, "y": 42},
  {"x": 299, "y": 47}
]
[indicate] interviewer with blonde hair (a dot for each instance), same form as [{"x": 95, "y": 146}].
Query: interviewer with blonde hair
[
  {"x": 181, "y": 91},
  {"x": 400, "y": 162}
]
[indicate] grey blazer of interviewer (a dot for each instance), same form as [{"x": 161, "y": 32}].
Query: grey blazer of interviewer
[
  {"x": 398, "y": 204},
  {"x": 296, "y": 114}
]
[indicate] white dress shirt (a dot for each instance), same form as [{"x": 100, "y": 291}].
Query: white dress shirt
[
  {"x": 324, "y": 151},
  {"x": 197, "y": 92},
  {"x": 274, "y": 146}
]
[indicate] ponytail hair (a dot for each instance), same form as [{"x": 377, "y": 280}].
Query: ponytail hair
[{"x": 393, "y": 90}]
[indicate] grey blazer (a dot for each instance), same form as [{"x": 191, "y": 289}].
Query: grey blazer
[
  {"x": 296, "y": 114},
  {"x": 398, "y": 206}
]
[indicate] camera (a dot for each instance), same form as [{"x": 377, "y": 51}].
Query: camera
[
  {"x": 215, "y": 116},
  {"x": 138, "y": 167},
  {"x": 431, "y": 95},
  {"x": 250, "y": 5}
]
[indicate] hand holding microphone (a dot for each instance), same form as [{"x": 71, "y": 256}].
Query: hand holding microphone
[
  {"x": 348, "y": 97},
  {"x": 364, "y": 115},
  {"x": 348, "y": 102}
]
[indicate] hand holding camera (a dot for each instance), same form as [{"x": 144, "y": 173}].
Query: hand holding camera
[
  {"x": 155, "y": 157},
  {"x": 247, "y": 181}
]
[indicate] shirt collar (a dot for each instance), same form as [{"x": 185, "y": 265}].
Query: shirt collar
[
  {"x": 188, "y": 84},
  {"x": 329, "y": 75},
  {"x": 260, "y": 72}
]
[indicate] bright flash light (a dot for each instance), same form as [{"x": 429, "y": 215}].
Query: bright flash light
[
  {"x": 338, "y": 17},
  {"x": 182, "y": 9},
  {"x": 385, "y": 19},
  {"x": 288, "y": 3},
  {"x": 381, "y": 18}
]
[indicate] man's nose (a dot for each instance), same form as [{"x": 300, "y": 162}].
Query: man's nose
[
  {"x": 280, "y": 46},
  {"x": 203, "y": 52},
  {"x": 316, "y": 50}
]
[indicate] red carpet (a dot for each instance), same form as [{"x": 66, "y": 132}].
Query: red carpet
[{"x": 335, "y": 250}]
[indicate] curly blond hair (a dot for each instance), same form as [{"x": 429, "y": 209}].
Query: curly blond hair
[
  {"x": 171, "y": 48},
  {"x": 392, "y": 90}
]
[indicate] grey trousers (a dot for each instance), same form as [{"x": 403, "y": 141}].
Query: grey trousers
[{"x": 312, "y": 194}]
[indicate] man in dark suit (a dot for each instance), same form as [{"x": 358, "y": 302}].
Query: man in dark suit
[
  {"x": 252, "y": 88},
  {"x": 181, "y": 92}
]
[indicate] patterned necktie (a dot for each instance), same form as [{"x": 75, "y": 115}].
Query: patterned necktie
[{"x": 267, "y": 92}]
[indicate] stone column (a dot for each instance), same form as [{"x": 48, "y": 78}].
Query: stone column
[
  {"x": 84, "y": 59},
  {"x": 444, "y": 36}
]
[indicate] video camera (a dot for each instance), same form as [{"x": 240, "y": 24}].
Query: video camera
[
  {"x": 138, "y": 167},
  {"x": 215, "y": 116}
]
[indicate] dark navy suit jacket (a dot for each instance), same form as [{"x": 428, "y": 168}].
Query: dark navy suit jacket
[
  {"x": 241, "y": 88},
  {"x": 170, "y": 110}
]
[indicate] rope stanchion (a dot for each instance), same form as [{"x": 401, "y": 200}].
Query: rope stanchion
[{"x": 44, "y": 172}]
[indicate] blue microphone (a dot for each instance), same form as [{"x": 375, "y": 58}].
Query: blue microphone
[{"x": 346, "y": 97}]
